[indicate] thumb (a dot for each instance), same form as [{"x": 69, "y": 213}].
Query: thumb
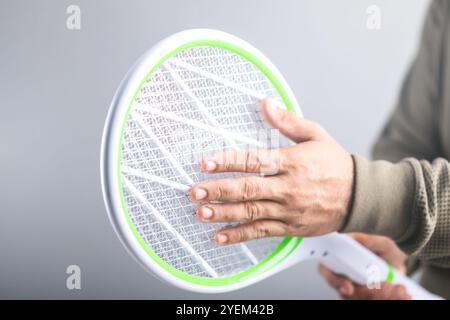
[{"x": 295, "y": 128}]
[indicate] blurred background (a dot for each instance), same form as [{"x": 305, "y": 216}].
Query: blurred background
[{"x": 56, "y": 85}]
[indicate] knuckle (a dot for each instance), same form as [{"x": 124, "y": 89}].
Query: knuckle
[
  {"x": 250, "y": 189},
  {"x": 219, "y": 192},
  {"x": 252, "y": 162},
  {"x": 261, "y": 230},
  {"x": 251, "y": 210},
  {"x": 228, "y": 162},
  {"x": 241, "y": 234}
]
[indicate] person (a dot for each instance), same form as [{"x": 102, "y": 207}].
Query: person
[{"x": 315, "y": 186}]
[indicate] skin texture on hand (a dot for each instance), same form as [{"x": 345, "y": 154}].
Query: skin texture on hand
[
  {"x": 386, "y": 249},
  {"x": 307, "y": 193}
]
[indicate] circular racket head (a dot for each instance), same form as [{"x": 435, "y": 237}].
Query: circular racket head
[{"x": 195, "y": 93}]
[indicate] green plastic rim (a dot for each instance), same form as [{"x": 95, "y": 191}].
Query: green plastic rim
[
  {"x": 285, "y": 248},
  {"x": 391, "y": 274}
]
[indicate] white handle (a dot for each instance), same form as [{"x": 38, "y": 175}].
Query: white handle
[{"x": 345, "y": 256}]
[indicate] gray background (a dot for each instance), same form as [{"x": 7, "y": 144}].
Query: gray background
[{"x": 55, "y": 90}]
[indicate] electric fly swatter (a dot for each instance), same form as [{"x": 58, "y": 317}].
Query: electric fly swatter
[{"x": 195, "y": 93}]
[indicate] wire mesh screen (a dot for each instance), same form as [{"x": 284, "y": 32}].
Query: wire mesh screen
[{"x": 202, "y": 101}]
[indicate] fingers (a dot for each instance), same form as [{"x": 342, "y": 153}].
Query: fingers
[
  {"x": 374, "y": 243},
  {"x": 237, "y": 189},
  {"x": 247, "y": 211},
  {"x": 290, "y": 125},
  {"x": 339, "y": 283},
  {"x": 253, "y": 161},
  {"x": 348, "y": 290},
  {"x": 386, "y": 291},
  {"x": 250, "y": 231},
  {"x": 399, "y": 293},
  {"x": 383, "y": 247}
]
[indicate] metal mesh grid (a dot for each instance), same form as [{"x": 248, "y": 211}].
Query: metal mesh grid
[{"x": 162, "y": 138}]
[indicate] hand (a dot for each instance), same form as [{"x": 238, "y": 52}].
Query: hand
[
  {"x": 386, "y": 249},
  {"x": 308, "y": 196}
]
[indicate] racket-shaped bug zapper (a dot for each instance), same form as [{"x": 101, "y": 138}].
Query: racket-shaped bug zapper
[{"x": 195, "y": 93}]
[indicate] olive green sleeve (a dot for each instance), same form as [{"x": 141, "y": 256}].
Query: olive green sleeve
[{"x": 383, "y": 198}]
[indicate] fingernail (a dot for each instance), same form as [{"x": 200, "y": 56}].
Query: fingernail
[
  {"x": 221, "y": 238},
  {"x": 207, "y": 213},
  {"x": 210, "y": 165},
  {"x": 200, "y": 194}
]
